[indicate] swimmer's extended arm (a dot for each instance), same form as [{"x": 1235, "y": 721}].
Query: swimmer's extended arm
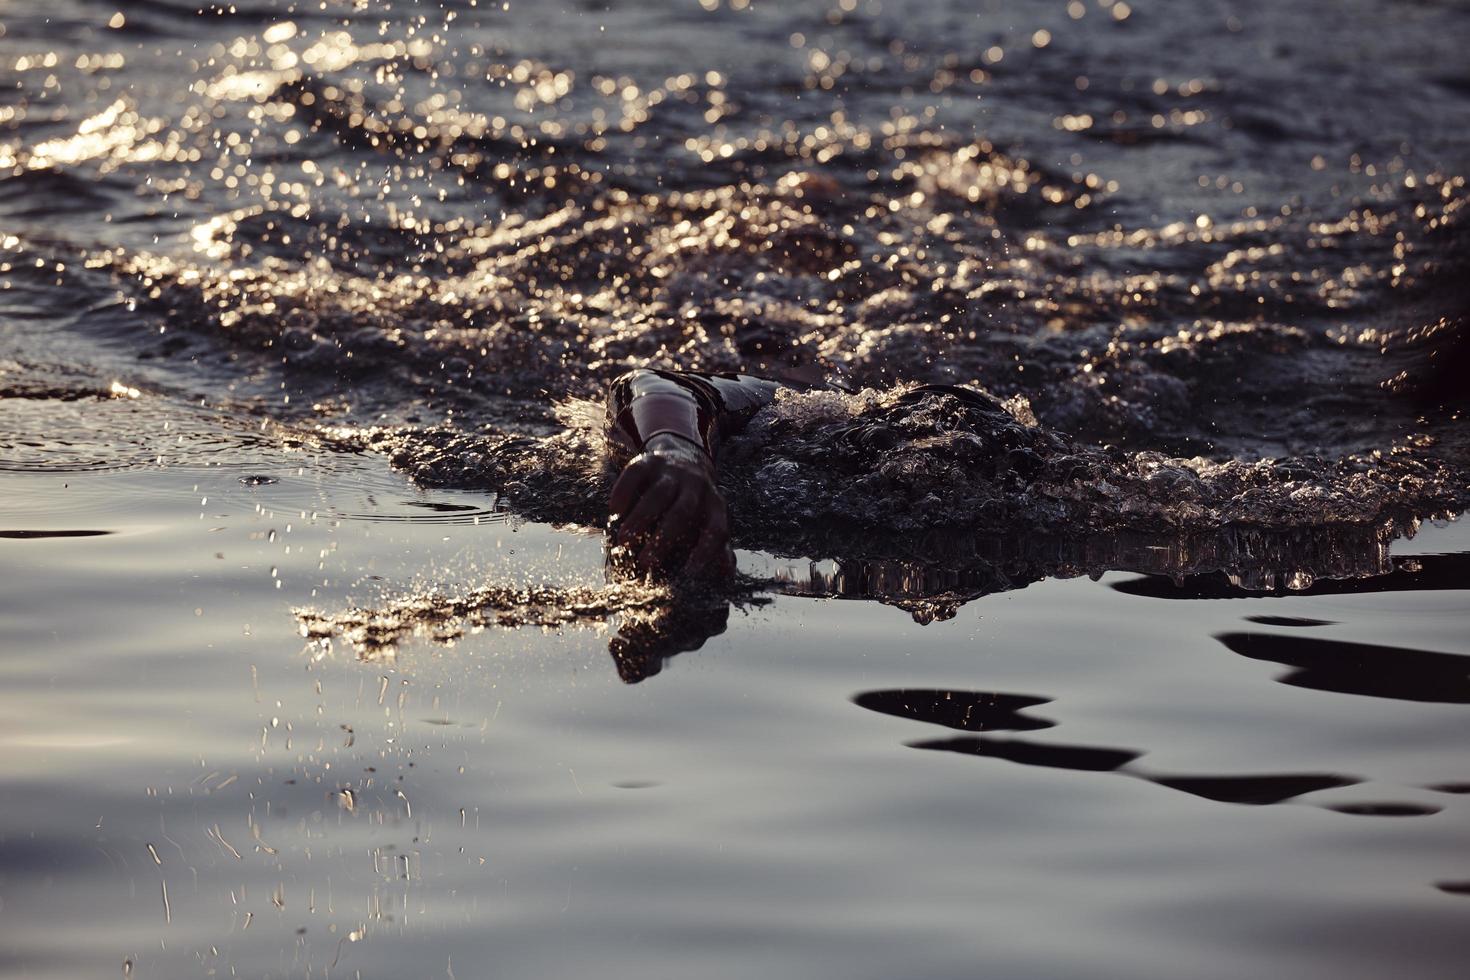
[
  {"x": 665, "y": 514},
  {"x": 699, "y": 408}
]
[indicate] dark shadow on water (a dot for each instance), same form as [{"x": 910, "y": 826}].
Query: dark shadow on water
[
  {"x": 441, "y": 508},
  {"x": 1252, "y": 790},
  {"x": 1385, "y": 809},
  {"x": 947, "y": 571},
  {"x": 1246, "y": 790},
  {"x": 644, "y": 643},
  {"x": 34, "y": 535},
  {"x": 1078, "y": 757},
  {"x": 1399, "y": 673},
  {"x": 1291, "y": 621},
  {"x": 650, "y": 627},
  {"x": 966, "y": 711},
  {"x": 1427, "y": 573},
  {"x": 978, "y": 711},
  {"x": 932, "y": 577}
]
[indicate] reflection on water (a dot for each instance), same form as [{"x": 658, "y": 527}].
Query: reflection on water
[
  {"x": 1080, "y": 757},
  {"x": 458, "y": 802},
  {"x": 644, "y": 643},
  {"x": 1295, "y": 621},
  {"x": 1417, "y": 574},
  {"x": 968, "y": 711},
  {"x": 1253, "y": 790},
  {"x": 1360, "y": 668},
  {"x": 975, "y": 711},
  {"x": 1387, "y": 809},
  {"x": 1451, "y": 787},
  {"x": 655, "y": 622},
  {"x": 27, "y": 535}
]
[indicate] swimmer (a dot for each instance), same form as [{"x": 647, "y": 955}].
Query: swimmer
[{"x": 666, "y": 515}]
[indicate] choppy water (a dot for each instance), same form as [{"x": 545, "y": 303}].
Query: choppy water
[{"x": 1208, "y": 257}]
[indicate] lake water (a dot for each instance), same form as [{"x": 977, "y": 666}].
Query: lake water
[
  {"x": 1074, "y": 779},
  {"x": 311, "y": 665}
]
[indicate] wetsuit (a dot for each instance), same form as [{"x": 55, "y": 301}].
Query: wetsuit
[
  {"x": 701, "y": 408},
  {"x": 705, "y": 408}
]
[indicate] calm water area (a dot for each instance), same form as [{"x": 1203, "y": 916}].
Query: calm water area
[
  {"x": 1141, "y": 650},
  {"x": 1069, "y": 780}
]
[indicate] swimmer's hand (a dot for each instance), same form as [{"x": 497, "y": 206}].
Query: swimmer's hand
[{"x": 666, "y": 516}]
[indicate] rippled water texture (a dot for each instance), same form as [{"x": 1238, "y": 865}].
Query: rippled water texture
[
  {"x": 1173, "y": 230},
  {"x": 1137, "y": 777},
  {"x": 312, "y": 668}
]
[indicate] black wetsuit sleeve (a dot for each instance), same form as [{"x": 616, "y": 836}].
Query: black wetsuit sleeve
[{"x": 701, "y": 408}]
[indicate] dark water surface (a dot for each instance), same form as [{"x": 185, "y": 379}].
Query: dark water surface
[{"x": 311, "y": 667}]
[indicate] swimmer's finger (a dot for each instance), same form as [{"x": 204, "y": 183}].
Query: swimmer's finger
[
  {"x": 711, "y": 555},
  {"x": 673, "y": 529},
  {"x": 628, "y": 488},
  {"x": 646, "y": 512}
]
